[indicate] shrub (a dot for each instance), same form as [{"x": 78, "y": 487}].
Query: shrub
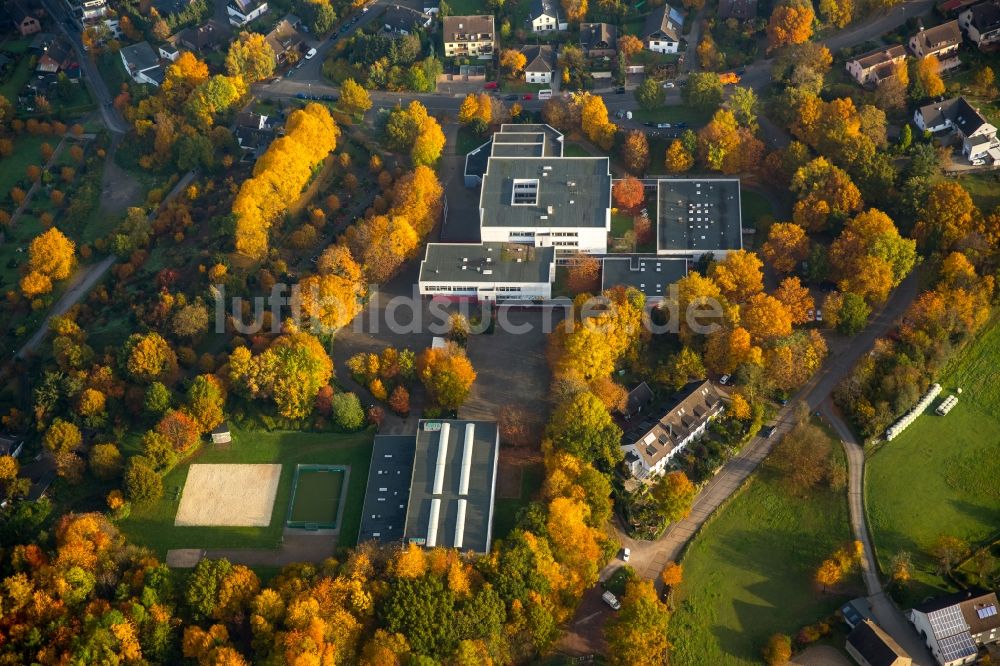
[
  {"x": 142, "y": 484},
  {"x": 347, "y": 411},
  {"x": 105, "y": 461}
]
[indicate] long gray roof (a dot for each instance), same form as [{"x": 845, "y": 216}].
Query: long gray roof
[
  {"x": 476, "y": 263},
  {"x": 698, "y": 215},
  {"x": 650, "y": 275},
  {"x": 388, "y": 490},
  {"x": 569, "y": 192},
  {"x": 438, "y": 498}
]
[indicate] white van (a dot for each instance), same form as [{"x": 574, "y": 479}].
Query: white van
[
  {"x": 611, "y": 600},
  {"x": 545, "y": 94}
]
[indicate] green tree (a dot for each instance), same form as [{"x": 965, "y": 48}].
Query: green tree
[
  {"x": 354, "y": 99},
  {"x": 637, "y": 634},
  {"x": 157, "y": 399},
  {"x": 422, "y": 610},
  {"x": 106, "y": 461},
  {"x": 650, "y": 94},
  {"x": 142, "y": 483},
  {"x": 703, "y": 90},
  {"x": 347, "y": 412},
  {"x": 202, "y": 591},
  {"x": 206, "y": 400},
  {"x": 853, "y": 314},
  {"x": 743, "y": 103},
  {"x": 62, "y": 436},
  {"x": 673, "y": 495},
  {"x": 583, "y": 427},
  {"x": 250, "y": 58}
]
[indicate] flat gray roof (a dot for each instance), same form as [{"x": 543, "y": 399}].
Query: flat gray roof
[
  {"x": 486, "y": 262},
  {"x": 698, "y": 215},
  {"x": 650, "y": 275},
  {"x": 388, "y": 490},
  {"x": 561, "y": 192},
  {"x": 452, "y": 490}
]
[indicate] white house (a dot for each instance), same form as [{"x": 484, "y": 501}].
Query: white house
[
  {"x": 87, "y": 12},
  {"x": 980, "y": 144},
  {"x": 876, "y": 66},
  {"x": 487, "y": 271},
  {"x": 653, "y": 442},
  {"x": 469, "y": 36},
  {"x": 242, "y": 12},
  {"x": 559, "y": 202},
  {"x": 169, "y": 51},
  {"x": 982, "y": 23},
  {"x": 662, "y": 30},
  {"x": 541, "y": 63},
  {"x": 544, "y": 16},
  {"x": 956, "y": 625},
  {"x": 142, "y": 63},
  {"x": 941, "y": 41}
]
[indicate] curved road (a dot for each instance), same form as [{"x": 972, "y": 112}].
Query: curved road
[{"x": 888, "y": 616}]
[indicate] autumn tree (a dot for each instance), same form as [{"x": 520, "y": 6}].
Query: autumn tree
[
  {"x": 583, "y": 274},
  {"x": 105, "y": 461},
  {"x": 143, "y": 484},
  {"x": 62, "y": 437},
  {"x": 191, "y": 320},
  {"x": 929, "y": 77},
  {"x": 739, "y": 275},
  {"x": 635, "y": 153},
  {"x": 629, "y": 46},
  {"x": 791, "y": 23},
  {"x": 354, "y": 100},
  {"x": 574, "y": 10},
  {"x": 206, "y": 401},
  {"x": 629, "y": 193},
  {"x": 837, "y": 13},
  {"x": 650, "y": 94},
  {"x": 796, "y": 298},
  {"x": 673, "y": 494},
  {"x": 637, "y": 634},
  {"x": 148, "y": 357},
  {"x": 512, "y": 61},
  {"x": 786, "y": 246},
  {"x": 901, "y": 568},
  {"x": 672, "y": 574},
  {"x": 52, "y": 254},
  {"x": 594, "y": 120},
  {"x": 703, "y": 90},
  {"x": 870, "y": 257},
  {"x": 709, "y": 56},
  {"x": 729, "y": 348},
  {"x": 947, "y": 217},
  {"x": 802, "y": 457},
  {"x": 447, "y": 374},
  {"x": 677, "y": 158},
  {"x": 725, "y": 146},
  {"x": 778, "y": 650},
  {"x": 824, "y": 191},
  {"x": 250, "y": 58},
  {"x": 333, "y": 297},
  {"x": 583, "y": 427},
  {"x": 948, "y": 551},
  {"x": 765, "y": 317}
]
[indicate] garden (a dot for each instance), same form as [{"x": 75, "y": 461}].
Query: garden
[{"x": 939, "y": 477}]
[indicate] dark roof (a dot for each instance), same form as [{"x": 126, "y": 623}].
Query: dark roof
[
  {"x": 221, "y": 429},
  {"x": 880, "y": 56},
  {"x": 940, "y": 36},
  {"x": 877, "y": 647},
  {"x": 59, "y": 51},
  {"x": 738, "y": 9},
  {"x": 40, "y": 487},
  {"x": 986, "y": 16},
  {"x": 139, "y": 57},
  {"x": 248, "y": 119},
  {"x": 698, "y": 215},
  {"x": 540, "y": 58},
  {"x": 982, "y": 613},
  {"x": 962, "y": 115},
  {"x": 597, "y": 35},
  {"x": 478, "y": 263},
  {"x": 284, "y": 37},
  {"x": 19, "y": 12},
  {"x": 468, "y": 28},
  {"x": 940, "y": 603},
  {"x": 655, "y": 437},
  {"x": 544, "y": 8},
  {"x": 403, "y": 18},
  {"x": 638, "y": 398},
  {"x": 650, "y": 275},
  {"x": 388, "y": 489},
  {"x": 207, "y": 34},
  {"x": 663, "y": 21},
  {"x": 570, "y": 192},
  {"x": 8, "y": 444},
  {"x": 856, "y": 610},
  {"x": 439, "y": 512}
]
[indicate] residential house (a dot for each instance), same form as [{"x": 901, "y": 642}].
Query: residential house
[
  {"x": 876, "y": 66},
  {"x": 637, "y": 400},
  {"x": 432, "y": 7},
  {"x": 982, "y": 23},
  {"x": 544, "y": 16},
  {"x": 403, "y": 20},
  {"x": 169, "y": 50},
  {"x": 251, "y": 120},
  {"x": 954, "y": 7},
  {"x": 869, "y": 645},
  {"x": 662, "y": 31},
  {"x": 540, "y": 65},
  {"x": 980, "y": 144},
  {"x": 469, "y": 36},
  {"x": 11, "y": 446},
  {"x": 652, "y": 443},
  {"x": 25, "y": 21},
  {"x": 741, "y": 10},
  {"x": 56, "y": 56},
  {"x": 941, "y": 41},
  {"x": 599, "y": 40},
  {"x": 242, "y": 12},
  {"x": 253, "y": 134},
  {"x": 954, "y": 626},
  {"x": 142, "y": 64},
  {"x": 208, "y": 35},
  {"x": 285, "y": 40},
  {"x": 87, "y": 12}
]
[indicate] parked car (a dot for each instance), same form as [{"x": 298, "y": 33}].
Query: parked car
[
  {"x": 767, "y": 431},
  {"x": 528, "y": 96},
  {"x": 611, "y": 600},
  {"x": 620, "y": 90},
  {"x": 724, "y": 379},
  {"x": 680, "y": 125},
  {"x": 819, "y": 315},
  {"x": 669, "y": 84},
  {"x": 491, "y": 85},
  {"x": 650, "y": 124},
  {"x": 302, "y": 96},
  {"x": 329, "y": 98},
  {"x": 310, "y": 54},
  {"x": 511, "y": 98},
  {"x": 811, "y": 314},
  {"x": 628, "y": 115},
  {"x": 662, "y": 125},
  {"x": 626, "y": 554}
]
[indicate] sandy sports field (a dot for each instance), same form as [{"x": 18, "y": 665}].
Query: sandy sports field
[{"x": 228, "y": 495}]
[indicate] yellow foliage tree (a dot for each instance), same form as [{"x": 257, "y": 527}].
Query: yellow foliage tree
[{"x": 52, "y": 254}]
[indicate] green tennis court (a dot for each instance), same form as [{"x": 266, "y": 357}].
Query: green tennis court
[{"x": 317, "y": 496}]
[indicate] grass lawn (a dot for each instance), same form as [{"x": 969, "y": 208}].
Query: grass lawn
[
  {"x": 12, "y": 168},
  {"x": 505, "y": 510},
  {"x": 15, "y": 81},
  {"x": 940, "y": 476},
  {"x": 468, "y": 140},
  {"x": 154, "y": 526},
  {"x": 571, "y": 149},
  {"x": 754, "y": 206},
  {"x": 984, "y": 188},
  {"x": 749, "y": 573},
  {"x": 468, "y": 8},
  {"x": 695, "y": 118}
]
